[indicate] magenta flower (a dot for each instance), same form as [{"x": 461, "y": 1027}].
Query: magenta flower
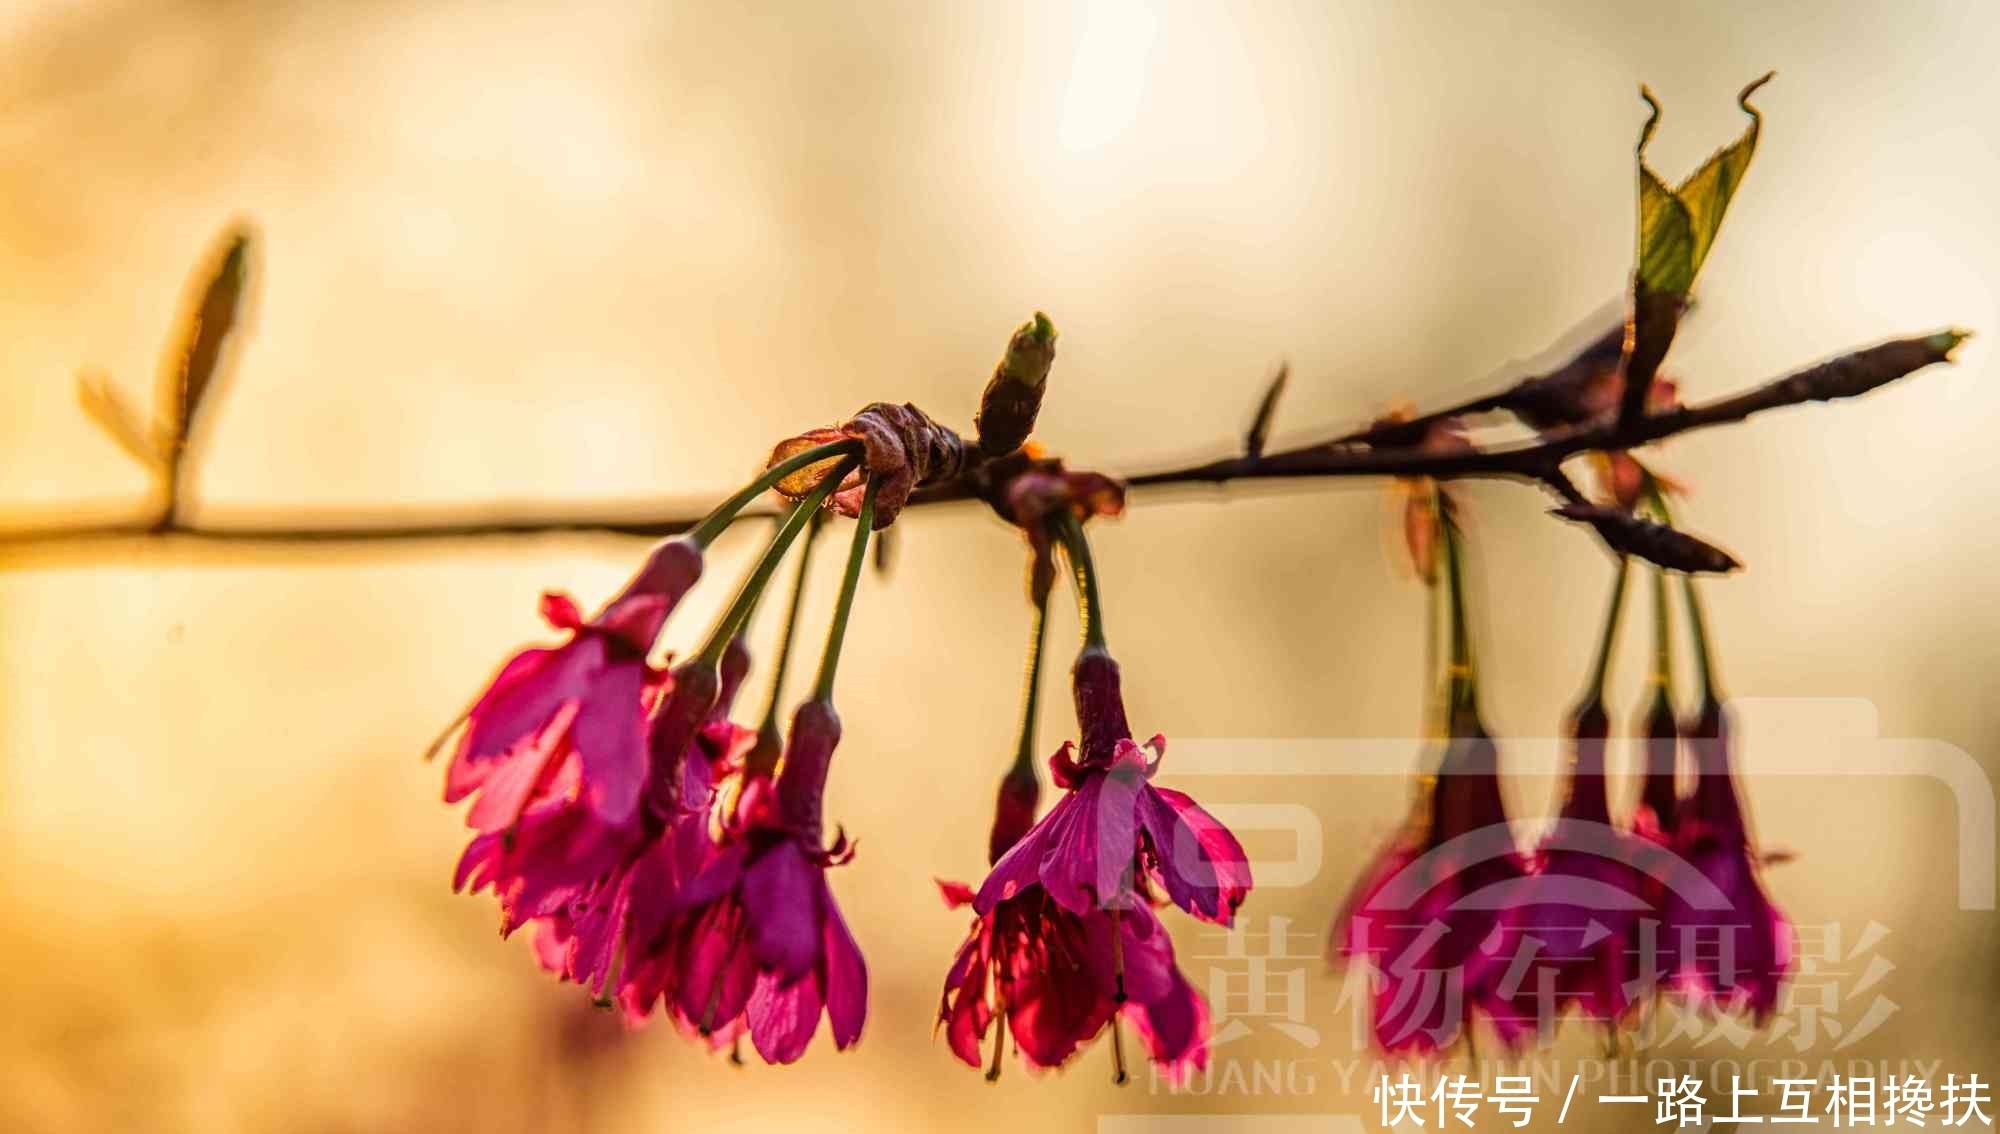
[
  {"x": 1566, "y": 944},
  {"x": 591, "y": 887},
  {"x": 716, "y": 752},
  {"x": 1735, "y": 952},
  {"x": 755, "y": 941},
  {"x": 1057, "y": 980},
  {"x": 1657, "y": 816},
  {"x": 555, "y": 850},
  {"x": 1066, "y": 941},
  {"x": 588, "y": 695},
  {"x": 1114, "y": 832},
  {"x": 1430, "y": 915}
]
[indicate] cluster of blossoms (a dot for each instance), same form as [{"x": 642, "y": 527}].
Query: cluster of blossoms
[
  {"x": 667, "y": 858},
  {"x": 663, "y": 855},
  {"x": 1456, "y": 921}
]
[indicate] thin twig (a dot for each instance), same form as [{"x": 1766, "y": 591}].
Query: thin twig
[{"x": 1539, "y": 462}]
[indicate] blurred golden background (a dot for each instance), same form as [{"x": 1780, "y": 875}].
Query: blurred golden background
[{"x": 516, "y": 256}]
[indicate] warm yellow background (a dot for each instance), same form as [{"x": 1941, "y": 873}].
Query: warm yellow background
[{"x": 517, "y": 253}]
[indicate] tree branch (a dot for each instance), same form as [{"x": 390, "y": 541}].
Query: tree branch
[
  {"x": 1847, "y": 376},
  {"x": 1539, "y": 462}
]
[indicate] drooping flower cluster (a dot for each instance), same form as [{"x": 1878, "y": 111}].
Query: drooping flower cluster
[
  {"x": 615, "y": 815},
  {"x": 756, "y": 943},
  {"x": 1065, "y": 941},
  {"x": 1455, "y": 923},
  {"x": 669, "y": 859}
]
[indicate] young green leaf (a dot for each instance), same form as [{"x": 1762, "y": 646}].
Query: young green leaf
[{"x": 1677, "y": 227}]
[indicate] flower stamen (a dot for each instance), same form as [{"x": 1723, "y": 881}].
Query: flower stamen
[
  {"x": 1118, "y": 998},
  {"x": 999, "y": 1032}
]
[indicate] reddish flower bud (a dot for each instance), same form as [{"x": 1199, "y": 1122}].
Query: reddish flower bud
[
  {"x": 1713, "y": 839},
  {"x": 1013, "y": 810},
  {"x": 1658, "y": 815},
  {"x": 1433, "y": 898},
  {"x": 1568, "y": 941},
  {"x": 697, "y": 683}
]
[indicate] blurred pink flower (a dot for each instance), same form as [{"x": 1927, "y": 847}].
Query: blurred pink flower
[
  {"x": 1429, "y": 916},
  {"x": 1736, "y": 952},
  {"x": 1567, "y": 943}
]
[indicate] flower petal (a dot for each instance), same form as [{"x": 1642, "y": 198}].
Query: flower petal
[
  {"x": 1088, "y": 861},
  {"x": 511, "y": 783},
  {"x": 963, "y": 1008},
  {"x": 610, "y": 739},
  {"x": 520, "y": 699},
  {"x": 846, "y": 980},
  {"x": 1174, "y": 1027},
  {"x": 1198, "y": 860},
  {"x": 716, "y": 880},
  {"x": 717, "y": 974},
  {"x": 1020, "y": 867},
  {"x": 783, "y": 1018},
  {"x": 782, "y": 894}
]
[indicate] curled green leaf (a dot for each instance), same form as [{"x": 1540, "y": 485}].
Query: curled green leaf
[{"x": 1677, "y": 226}]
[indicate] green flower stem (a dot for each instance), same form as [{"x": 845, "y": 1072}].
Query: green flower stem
[
  {"x": 746, "y": 598},
  {"x": 713, "y": 524},
  {"x": 1663, "y": 633},
  {"x": 1031, "y": 694},
  {"x": 1704, "y": 660},
  {"x": 1460, "y": 672},
  {"x": 1083, "y": 572},
  {"x": 1601, "y": 668},
  {"x": 836, "y": 634},
  {"x": 790, "y": 630},
  {"x": 1435, "y": 706},
  {"x": 1704, "y": 666}
]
